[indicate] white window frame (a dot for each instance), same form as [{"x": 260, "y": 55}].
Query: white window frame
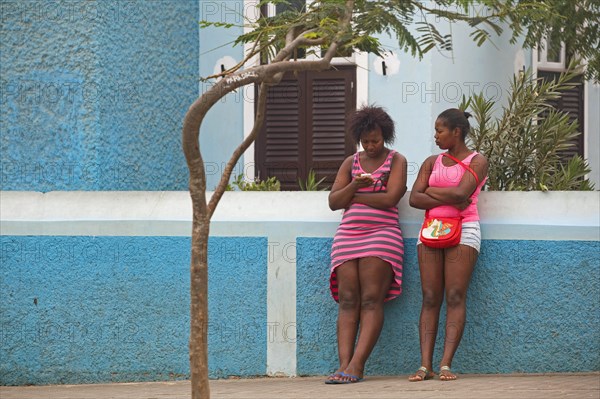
[
  {"x": 541, "y": 57},
  {"x": 360, "y": 59},
  {"x": 313, "y": 55},
  {"x": 543, "y": 64}
]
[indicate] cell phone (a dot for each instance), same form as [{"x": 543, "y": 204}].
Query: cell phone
[{"x": 365, "y": 175}]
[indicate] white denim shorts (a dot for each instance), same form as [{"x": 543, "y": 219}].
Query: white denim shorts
[{"x": 470, "y": 235}]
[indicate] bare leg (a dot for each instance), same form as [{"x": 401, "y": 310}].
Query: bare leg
[
  {"x": 375, "y": 276},
  {"x": 459, "y": 264},
  {"x": 348, "y": 312},
  {"x": 431, "y": 267}
]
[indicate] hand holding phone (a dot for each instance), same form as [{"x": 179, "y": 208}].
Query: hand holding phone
[{"x": 364, "y": 180}]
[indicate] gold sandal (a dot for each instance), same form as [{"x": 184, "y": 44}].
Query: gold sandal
[
  {"x": 446, "y": 377},
  {"x": 427, "y": 375}
]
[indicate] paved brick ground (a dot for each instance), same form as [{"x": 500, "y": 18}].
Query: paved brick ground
[{"x": 529, "y": 386}]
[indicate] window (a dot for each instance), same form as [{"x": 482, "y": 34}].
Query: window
[
  {"x": 291, "y": 5},
  {"x": 305, "y": 126},
  {"x": 570, "y": 102},
  {"x": 305, "y": 122},
  {"x": 551, "y": 61},
  {"x": 551, "y": 54}
]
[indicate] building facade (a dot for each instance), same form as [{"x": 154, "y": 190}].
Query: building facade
[{"x": 96, "y": 221}]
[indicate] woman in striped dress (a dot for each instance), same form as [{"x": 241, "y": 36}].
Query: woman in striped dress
[{"x": 367, "y": 251}]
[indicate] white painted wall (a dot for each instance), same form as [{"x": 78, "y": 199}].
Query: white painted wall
[{"x": 303, "y": 214}]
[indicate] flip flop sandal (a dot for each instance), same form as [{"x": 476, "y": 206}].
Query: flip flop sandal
[
  {"x": 334, "y": 378},
  {"x": 352, "y": 379}
]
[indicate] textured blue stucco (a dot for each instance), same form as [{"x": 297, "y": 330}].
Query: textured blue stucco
[
  {"x": 93, "y": 94},
  {"x": 532, "y": 307},
  {"x": 95, "y": 309}
]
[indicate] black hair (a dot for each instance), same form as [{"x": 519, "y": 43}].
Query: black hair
[
  {"x": 368, "y": 118},
  {"x": 456, "y": 118}
]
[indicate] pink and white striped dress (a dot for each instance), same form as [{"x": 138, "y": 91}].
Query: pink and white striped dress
[{"x": 366, "y": 231}]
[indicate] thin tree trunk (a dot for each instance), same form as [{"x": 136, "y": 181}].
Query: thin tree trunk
[
  {"x": 199, "y": 310},
  {"x": 202, "y": 212},
  {"x": 198, "y": 344}
]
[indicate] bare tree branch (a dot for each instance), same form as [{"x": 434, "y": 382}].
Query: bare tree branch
[
  {"x": 289, "y": 37},
  {"x": 254, "y": 51},
  {"x": 258, "y": 121}
]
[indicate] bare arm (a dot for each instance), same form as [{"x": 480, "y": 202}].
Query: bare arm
[
  {"x": 461, "y": 193},
  {"x": 344, "y": 187},
  {"x": 418, "y": 198},
  {"x": 395, "y": 188}
]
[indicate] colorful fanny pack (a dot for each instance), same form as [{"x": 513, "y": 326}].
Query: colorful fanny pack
[{"x": 443, "y": 232}]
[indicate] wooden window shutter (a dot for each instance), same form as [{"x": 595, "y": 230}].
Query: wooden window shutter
[
  {"x": 280, "y": 148},
  {"x": 570, "y": 102},
  {"x": 306, "y": 126},
  {"x": 331, "y": 99}
]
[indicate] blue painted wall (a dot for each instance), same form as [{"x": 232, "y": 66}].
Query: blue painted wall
[
  {"x": 421, "y": 89},
  {"x": 94, "y": 309},
  {"x": 406, "y": 96},
  {"x": 93, "y": 94},
  {"x": 222, "y": 129},
  {"x": 532, "y": 307}
]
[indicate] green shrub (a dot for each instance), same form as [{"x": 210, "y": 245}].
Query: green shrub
[
  {"x": 523, "y": 145},
  {"x": 271, "y": 184},
  {"x": 311, "y": 183}
]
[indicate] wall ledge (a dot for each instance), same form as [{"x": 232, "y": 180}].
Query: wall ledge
[{"x": 557, "y": 215}]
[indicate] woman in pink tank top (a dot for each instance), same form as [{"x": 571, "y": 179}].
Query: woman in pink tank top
[{"x": 446, "y": 188}]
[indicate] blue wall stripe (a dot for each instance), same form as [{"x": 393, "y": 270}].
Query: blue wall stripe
[
  {"x": 532, "y": 307},
  {"x": 95, "y": 309}
]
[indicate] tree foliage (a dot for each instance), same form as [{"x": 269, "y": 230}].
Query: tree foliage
[
  {"x": 576, "y": 23},
  {"x": 414, "y": 25}
]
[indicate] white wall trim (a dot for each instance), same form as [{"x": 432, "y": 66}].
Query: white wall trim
[
  {"x": 250, "y": 14},
  {"x": 504, "y": 215},
  {"x": 362, "y": 78},
  {"x": 586, "y": 120}
]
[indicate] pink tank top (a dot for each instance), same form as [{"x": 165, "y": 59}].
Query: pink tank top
[{"x": 450, "y": 176}]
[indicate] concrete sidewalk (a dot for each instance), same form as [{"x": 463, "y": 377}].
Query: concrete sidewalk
[{"x": 521, "y": 386}]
